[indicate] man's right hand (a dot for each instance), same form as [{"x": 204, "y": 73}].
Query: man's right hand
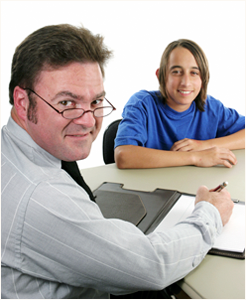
[{"x": 221, "y": 200}]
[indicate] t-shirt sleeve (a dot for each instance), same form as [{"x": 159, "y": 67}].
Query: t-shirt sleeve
[
  {"x": 133, "y": 129},
  {"x": 230, "y": 121}
]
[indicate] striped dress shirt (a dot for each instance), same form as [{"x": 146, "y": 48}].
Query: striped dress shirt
[{"x": 57, "y": 244}]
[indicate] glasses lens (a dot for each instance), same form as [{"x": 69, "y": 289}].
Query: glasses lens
[
  {"x": 103, "y": 111},
  {"x": 99, "y": 112},
  {"x": 72, "y": 113}
]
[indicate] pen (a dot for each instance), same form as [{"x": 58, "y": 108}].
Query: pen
[{"x": 220, "y": 187}]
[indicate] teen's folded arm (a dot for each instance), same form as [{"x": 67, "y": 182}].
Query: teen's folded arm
[{"x": 137, "y": 157}]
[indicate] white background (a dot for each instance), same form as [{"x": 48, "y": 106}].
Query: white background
[{"x": 138, "y": 32}]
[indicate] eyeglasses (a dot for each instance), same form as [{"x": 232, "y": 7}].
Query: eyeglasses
[{"x": 74, "y": 113}]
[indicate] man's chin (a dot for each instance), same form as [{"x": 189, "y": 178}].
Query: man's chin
[
  {"x": 79, "y": 156},
  {"x": 76, "y": 152},
  {"x": 76, "y": 157},
  {"x": 83, "y": 157}
]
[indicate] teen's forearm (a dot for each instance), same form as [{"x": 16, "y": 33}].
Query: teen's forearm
[
  {"x": 232, "y": 142},
  {"x": 136, "y": 157}
]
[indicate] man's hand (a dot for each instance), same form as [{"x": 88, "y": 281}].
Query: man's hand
[
  {"x": 214, "y": 156},
  {"x": 222, "y": 201}
]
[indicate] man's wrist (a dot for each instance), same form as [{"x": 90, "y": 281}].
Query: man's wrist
[{"x": 214, "y": 213}]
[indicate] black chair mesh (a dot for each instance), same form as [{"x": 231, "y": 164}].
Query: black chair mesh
[{"x": 108, "y": 142}]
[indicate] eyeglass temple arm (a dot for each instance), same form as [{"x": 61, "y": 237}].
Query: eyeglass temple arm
[
  {"x": 59, "y": 112},
  {"x": 114, "y": 108}
]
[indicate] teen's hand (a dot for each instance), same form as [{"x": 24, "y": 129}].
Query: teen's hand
[
  {"x": 190, "y": 145},
  {"x": 214, "y": 156}
]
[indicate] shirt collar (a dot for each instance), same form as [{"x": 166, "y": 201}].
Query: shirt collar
[
  {"x": 175, "y": 114},
  {"x": 27, "y": 144}
]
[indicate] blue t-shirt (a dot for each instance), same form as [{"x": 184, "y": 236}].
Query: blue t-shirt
[{"x": 149, "y": 123}]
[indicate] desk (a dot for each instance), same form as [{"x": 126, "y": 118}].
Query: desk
[{"x": 216, "y": 277}]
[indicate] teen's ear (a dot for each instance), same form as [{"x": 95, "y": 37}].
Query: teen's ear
[
  {"x": 157, "y": 73},
  {"x": 21, "y": 102}
]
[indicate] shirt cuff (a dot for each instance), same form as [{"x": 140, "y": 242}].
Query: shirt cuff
[{"x": 207, "y": 218}]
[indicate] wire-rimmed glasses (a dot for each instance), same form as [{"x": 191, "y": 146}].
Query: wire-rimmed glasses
[{"x": 74, "y": 113}]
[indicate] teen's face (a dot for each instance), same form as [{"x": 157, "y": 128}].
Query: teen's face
[
  {"x": 183, "y": 81},
  {"x": 76, "y": 85}
]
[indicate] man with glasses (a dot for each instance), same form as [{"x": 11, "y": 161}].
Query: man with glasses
[{"x": 55, "y": 241}]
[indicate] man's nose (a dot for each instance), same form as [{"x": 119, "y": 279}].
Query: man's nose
[{"x": 87, "y": 119}]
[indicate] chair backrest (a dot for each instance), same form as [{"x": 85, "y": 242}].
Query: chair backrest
[{"x": 108, "y": 142}]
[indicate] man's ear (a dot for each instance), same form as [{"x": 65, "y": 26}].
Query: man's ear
[
  {"x": 21, "y": 102},
  {"x": 157, "y": 73}
]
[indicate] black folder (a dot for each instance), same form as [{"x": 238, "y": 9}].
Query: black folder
[
  {"x": 144, "y": 209},
  {"x": 154, "y": 205}
]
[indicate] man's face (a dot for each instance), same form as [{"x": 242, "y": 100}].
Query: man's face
[
  {"x": 77, "y": 85},
  {"x": 183, "y": 81}
]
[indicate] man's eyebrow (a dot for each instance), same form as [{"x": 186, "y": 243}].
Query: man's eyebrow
[
  {"x": 102, "y": 94},
  {"x": 77, "y": 97}
]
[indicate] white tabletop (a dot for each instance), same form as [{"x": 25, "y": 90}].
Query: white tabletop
[{"x": 215, "y": 277}]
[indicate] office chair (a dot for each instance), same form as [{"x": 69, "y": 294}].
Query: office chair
[{"x": 108, "y": 142}]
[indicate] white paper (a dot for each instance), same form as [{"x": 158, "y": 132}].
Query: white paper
[{"x": 232, "y": 237}]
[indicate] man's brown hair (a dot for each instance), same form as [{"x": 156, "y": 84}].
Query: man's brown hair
[{"x": 54, "y": 46}]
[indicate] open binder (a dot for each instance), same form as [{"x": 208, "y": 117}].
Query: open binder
[{"x": 149, "y": 210}]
